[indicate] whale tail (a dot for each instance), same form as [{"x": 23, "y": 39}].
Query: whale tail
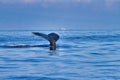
[{"x": 52, "y": 38}]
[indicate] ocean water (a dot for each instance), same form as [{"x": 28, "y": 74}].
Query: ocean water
[{"x": 80, "y": 55}]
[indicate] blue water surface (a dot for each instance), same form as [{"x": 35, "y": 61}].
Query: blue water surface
[{"x": 80, "y": 55}]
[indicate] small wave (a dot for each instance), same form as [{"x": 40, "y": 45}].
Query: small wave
[
  {"x": 95, "y": 38},
  {"x": 35, "y": 78},
  {"x": 22, "y": 46}
]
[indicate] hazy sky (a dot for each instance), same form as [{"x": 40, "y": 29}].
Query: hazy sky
[{"x": 59, "y": 14}]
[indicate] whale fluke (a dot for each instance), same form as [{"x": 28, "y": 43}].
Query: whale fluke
[{"x": 52, "y": 38}]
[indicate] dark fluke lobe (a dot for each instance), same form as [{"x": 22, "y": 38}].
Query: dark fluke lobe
[{"x": 52, "y": 38}]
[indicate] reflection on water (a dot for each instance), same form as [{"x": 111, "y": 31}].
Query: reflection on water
[{"x": 80, "y": 55}]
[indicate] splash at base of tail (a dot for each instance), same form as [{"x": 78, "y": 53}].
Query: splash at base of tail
[{"x": 52, "y": 38}]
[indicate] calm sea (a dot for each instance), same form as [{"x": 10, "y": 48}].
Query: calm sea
[{"x": 80, "y": 55}]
